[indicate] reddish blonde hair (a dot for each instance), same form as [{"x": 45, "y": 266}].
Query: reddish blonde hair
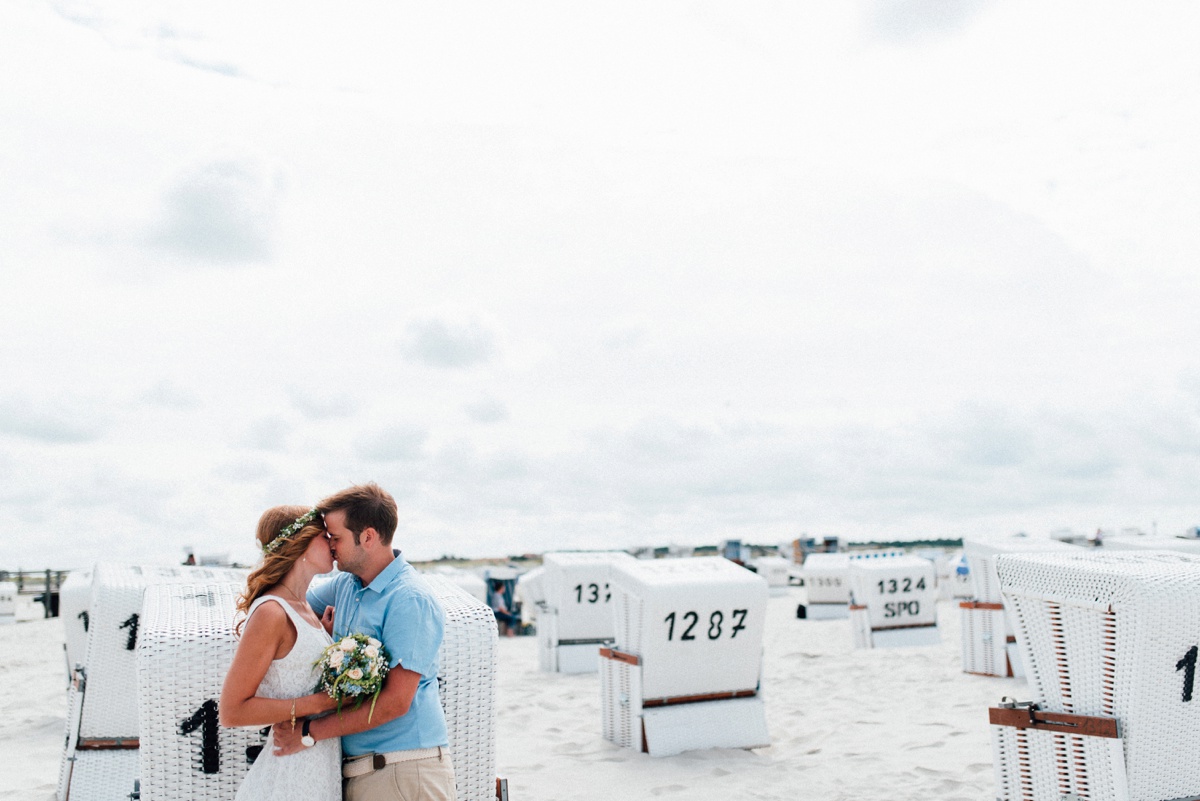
[{"x": 275, "y": 565}]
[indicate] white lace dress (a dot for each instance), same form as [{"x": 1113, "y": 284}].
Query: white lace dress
[{"x": 314, "y": 774}]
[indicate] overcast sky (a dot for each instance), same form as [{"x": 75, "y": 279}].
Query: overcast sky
[{"x": 594, "y": 275}]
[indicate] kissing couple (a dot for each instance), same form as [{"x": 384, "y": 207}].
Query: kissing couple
[{"x": 394, "y": 747}]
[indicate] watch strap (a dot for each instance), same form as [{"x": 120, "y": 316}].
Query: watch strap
[{"x": 306, "y": 739}]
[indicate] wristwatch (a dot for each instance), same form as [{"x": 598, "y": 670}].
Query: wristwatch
[{"x": 306, "y": 739}]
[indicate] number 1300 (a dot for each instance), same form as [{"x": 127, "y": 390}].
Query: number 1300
[{"x": 716, "y": 625}]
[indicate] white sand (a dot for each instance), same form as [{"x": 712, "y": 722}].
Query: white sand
[{"x": 896, "y": 723}]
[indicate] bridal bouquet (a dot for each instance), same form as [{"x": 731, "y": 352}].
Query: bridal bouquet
[{"x": 353, "y": 668}]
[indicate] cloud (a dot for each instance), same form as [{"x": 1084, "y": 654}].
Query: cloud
[
  {"x": 437, "y": 343},
  {"x": 397, "y": 443},
  {"x": 907, "y": 21},
  {"x": 51, "y": 422},
  {"x": 221, "y": 212},
  {"x": 169, "y": 395},
  {"x": 316, "y": 403},
  {"x": 488, "y": 410},
  {"x": 268, "y": 434}
]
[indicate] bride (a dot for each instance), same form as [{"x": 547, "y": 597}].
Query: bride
[{"x": 272, "y": 672}]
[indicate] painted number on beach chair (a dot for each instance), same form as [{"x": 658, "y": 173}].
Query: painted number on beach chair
[
  {"x": 252, "y": 751},
  {"x": 1188, "y": 666},
  {"x": 132, "y": 624},
  {"x": 591, "y": 593},
  {"x": 716, "y": 624},
  {"x": 205, "y": 719},
  {"x": 902, "y": 608},
  {"x": 893, "y": 586}
]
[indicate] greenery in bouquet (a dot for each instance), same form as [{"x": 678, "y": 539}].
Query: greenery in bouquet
[{"x": 352, "y": 669}]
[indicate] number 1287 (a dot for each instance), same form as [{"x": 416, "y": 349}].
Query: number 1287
[{"x": 716, "y": 624}]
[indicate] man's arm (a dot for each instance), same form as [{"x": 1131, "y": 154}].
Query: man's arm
[
  {"x": 399, "y": 689},
  {"x": 321, "y": 596}
]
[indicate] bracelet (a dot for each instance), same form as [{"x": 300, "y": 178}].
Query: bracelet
[{"x": 293, "y": 714}]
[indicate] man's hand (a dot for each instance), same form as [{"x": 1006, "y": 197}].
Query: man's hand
[
  {"x": 287, "y": 739},
  {"x": 327, "y": 620}
]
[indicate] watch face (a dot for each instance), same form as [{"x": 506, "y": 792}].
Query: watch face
[{"x": 308, "y": 741}]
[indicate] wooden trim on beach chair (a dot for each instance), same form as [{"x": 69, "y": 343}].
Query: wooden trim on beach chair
[
  {"x": 117, "y": 744},
  {"x": 620, "y": 656},
  {"x": 979, "y": 605},
  {"x": 1026, "y": 718},
  {"x": 695, "y": 699},
  {"x": 910, "y": 626}
]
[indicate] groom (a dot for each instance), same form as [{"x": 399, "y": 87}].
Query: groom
[{"x": 400, "y": 752}]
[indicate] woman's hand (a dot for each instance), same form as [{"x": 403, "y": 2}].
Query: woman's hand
[{"x": 327, "y": 620}]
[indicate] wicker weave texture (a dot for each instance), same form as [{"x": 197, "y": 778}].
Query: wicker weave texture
[
  {"x": 621, "y": 703},
  {"x": 981, "y": 556},
  {"x": 104, "y": 775},
  {"x": 467, "y": 684},
  {"x": 897, "y": 591},
  {"x": 1152, "y": 544},
  {"x": 827, "y": 578},
  {"x": 697, "y": 624},
  {"x": 984, "y": 643},
  {"x": 1032, "y": 765},
  {"x": 577, "y": 588},
  {"x": 860, "y": 627},
  {"x": 70, "y": 740},
  {"x": 1115, "y": 634},
  {"x": 185, "y": 647},
  {"x": 73, "y": 599},
  {"x": 531, "y": 593},
  {"x": 115, "y": 604}
]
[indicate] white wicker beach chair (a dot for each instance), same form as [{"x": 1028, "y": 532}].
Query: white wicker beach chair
[
  {"x": 981, "y": 640},
  {"x": 73, "y": 599},
  {"x": 114, "y": 609},
  {"x": 467, "y": 683},
  {"x": 985, "y": 641},
  {"x": 576, "y": 617},
  {"x": 826, "y": 585},
  {"x": 893, "y": 602},
  {"x": 776, "y": 571},
  {"x": 1109, "y": 636},
  {"x": 104, "y": 776},
  {"x": 530, "y": 592},
  {"x": 689, "y": 636},
  {"x": 186, "y": 643}
]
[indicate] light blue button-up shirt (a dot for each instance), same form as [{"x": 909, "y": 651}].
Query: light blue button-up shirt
[{"x": 399, "y": 609}]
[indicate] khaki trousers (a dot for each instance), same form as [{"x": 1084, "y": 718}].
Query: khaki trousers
[{"x": 429, "y": 779}]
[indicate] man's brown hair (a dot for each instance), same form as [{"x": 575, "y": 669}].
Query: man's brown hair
[{"x": 366, "y": 506}]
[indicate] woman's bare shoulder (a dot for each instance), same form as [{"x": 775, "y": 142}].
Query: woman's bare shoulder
[{"x": 267, "y": 618}]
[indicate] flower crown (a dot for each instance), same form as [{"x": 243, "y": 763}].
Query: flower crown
[{"x": 286, "y": 532}]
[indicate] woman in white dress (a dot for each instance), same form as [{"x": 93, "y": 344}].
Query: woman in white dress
[{"x": 272, "y": 676}]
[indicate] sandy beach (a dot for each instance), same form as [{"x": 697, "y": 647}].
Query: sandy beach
[{"x": 903, "y": 724}]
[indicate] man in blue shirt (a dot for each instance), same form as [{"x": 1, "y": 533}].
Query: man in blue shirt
[{"x": 399, "y": 749}]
